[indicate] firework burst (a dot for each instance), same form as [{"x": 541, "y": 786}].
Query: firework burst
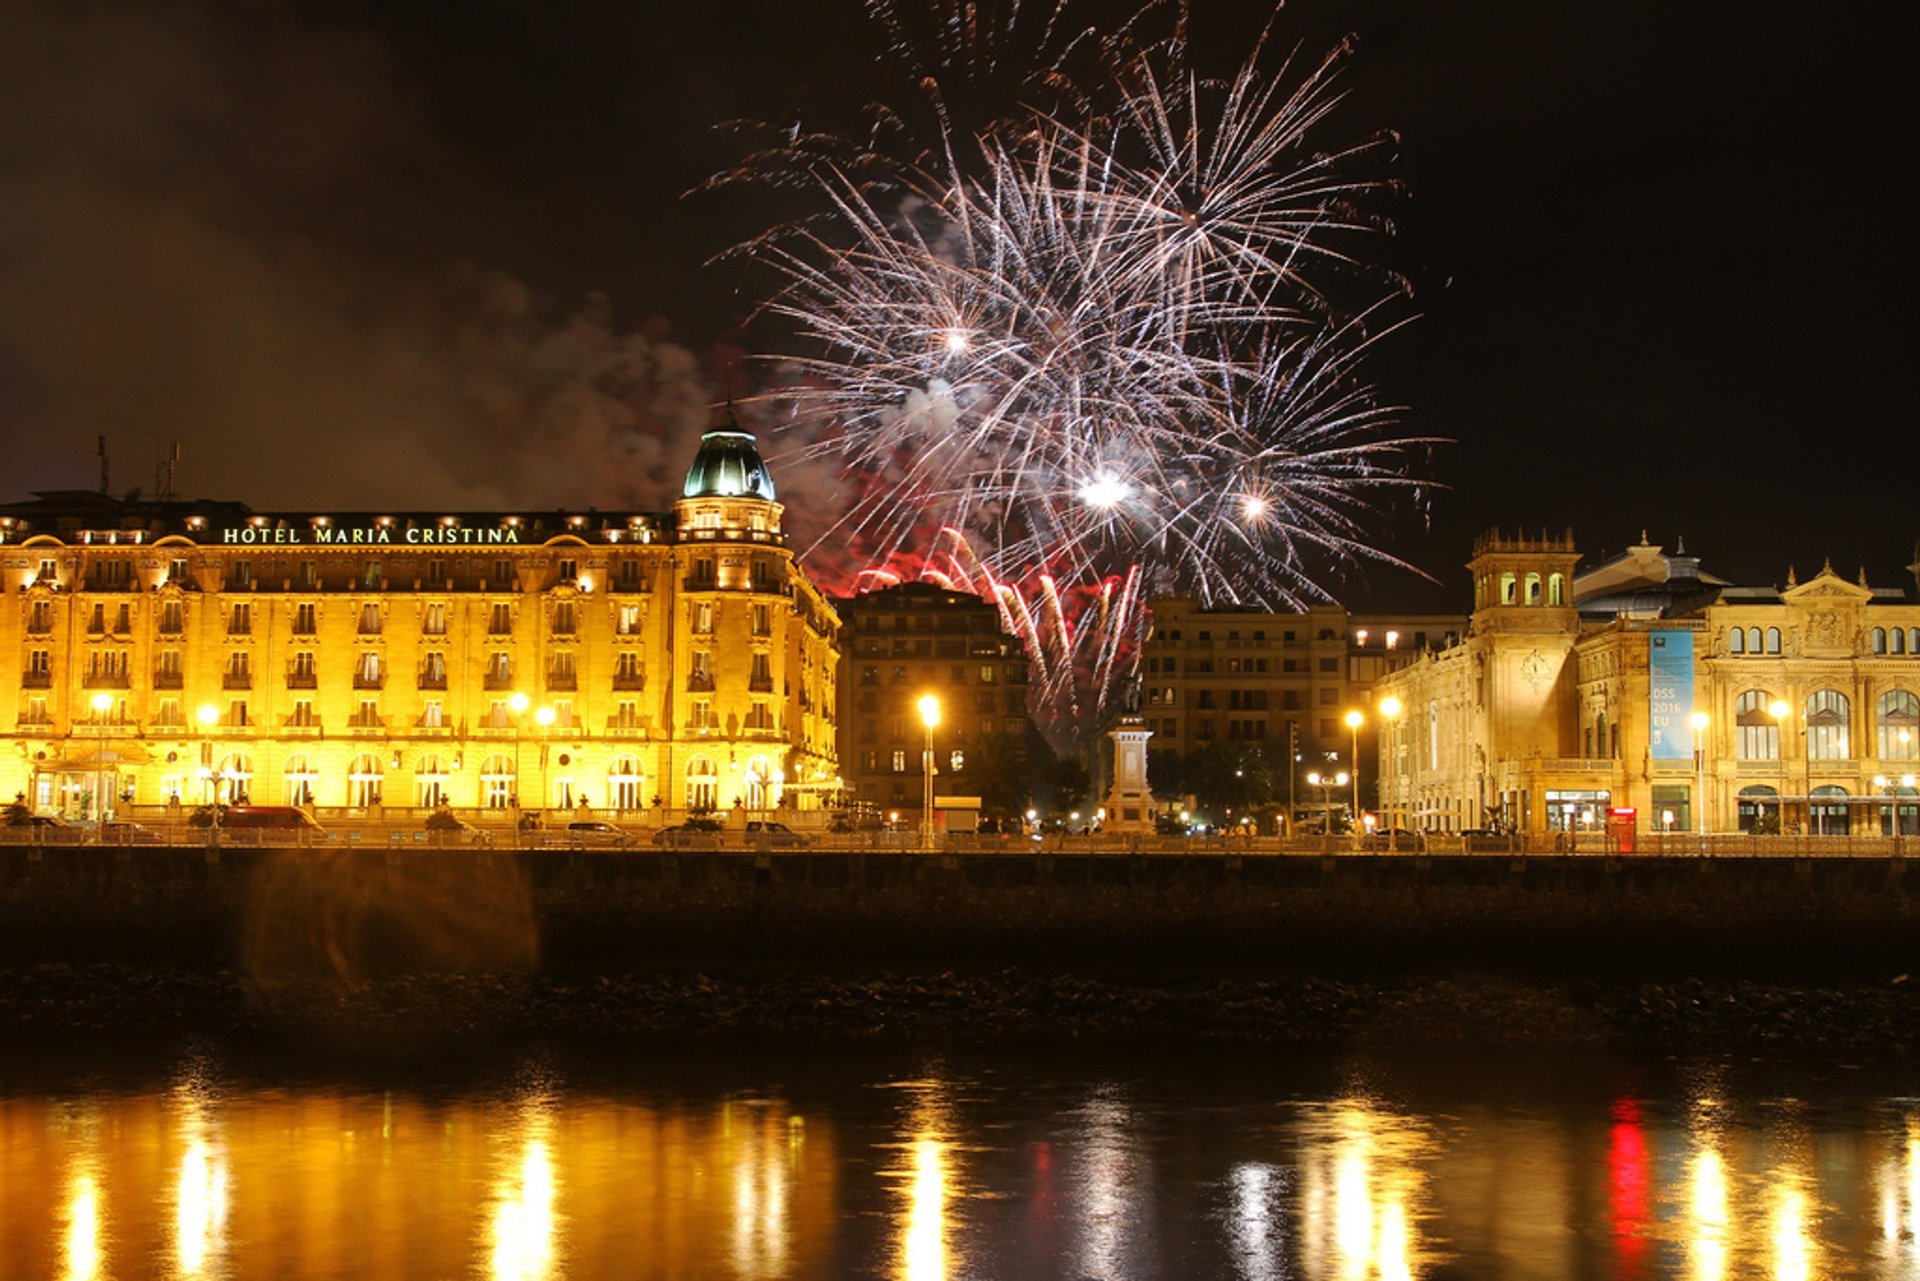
[{"x": 1115, "y": 341}]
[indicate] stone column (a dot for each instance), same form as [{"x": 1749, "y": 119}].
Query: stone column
[{"x": 1129, "y": 801}]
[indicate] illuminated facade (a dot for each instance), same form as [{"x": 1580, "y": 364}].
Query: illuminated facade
[
  {"x": 380, "y": 663},
  {"x": 1573, "y": 695}
]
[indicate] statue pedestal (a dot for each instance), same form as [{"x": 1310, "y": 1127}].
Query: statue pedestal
[{"x": 1129, "y": 801}]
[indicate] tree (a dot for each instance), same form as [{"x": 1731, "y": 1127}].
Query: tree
[
  {"x": 996, "y": 767},
  {"x": 1231, "y": 775},
  {"x": 1064, "y": 783}
]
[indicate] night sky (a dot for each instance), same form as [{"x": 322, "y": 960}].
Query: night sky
[{"x": 402, "y": 254}]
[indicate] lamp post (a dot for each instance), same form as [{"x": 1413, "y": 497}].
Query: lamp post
[
  {"x": 929, "y": 717},
  {"x": 102, "y": 703},
  {"x": 1778, "y": 709},
  {"x": 1390, "y": 709},
  {"x": 545, "y": 718},
  {"x": 1326, "y": 783},
  {"x": 1354, "y": 721},
  {"x": 1699, "y": 722}
]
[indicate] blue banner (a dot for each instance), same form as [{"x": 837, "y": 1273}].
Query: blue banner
[{"x": 1670, "y": 696}]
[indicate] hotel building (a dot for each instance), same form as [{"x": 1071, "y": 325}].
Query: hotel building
[
  {"x": 157, "y": 653},
  {"x": 1672, "y": 699}
]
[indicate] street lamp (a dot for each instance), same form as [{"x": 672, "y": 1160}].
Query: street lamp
[
  {"x": 929, "y": 717},
  {"x": 1390, "y": 709},
  {"x": 1699, "y": 723},
  {"x": 1354, "y": 721},
  {"x": 102, "y": 704},
  {"x": 1326, "y": 783},
  {"x": 1778, "y": 709},
  {"x": 545, "y": 718}
]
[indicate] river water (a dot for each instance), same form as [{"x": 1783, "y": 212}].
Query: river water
[{"x": 772, "y": 1161}]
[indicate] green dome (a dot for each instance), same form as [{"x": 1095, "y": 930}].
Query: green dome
[{"x": 728, "y": 466}]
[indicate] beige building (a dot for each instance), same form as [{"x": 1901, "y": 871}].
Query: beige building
[
  {"x": 1235, "y": 673},
  {"x": 1669, "y": 698},
  {"x": 374, "y": 663}
]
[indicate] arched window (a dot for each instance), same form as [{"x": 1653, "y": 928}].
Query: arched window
[
  {"x": 1533, "y": 589},
  {"x": 1557, "y": 589},
  {"x": 1899, "y": 716},
  {"x": 363, "y": 781},
  {"x": 1737, "y": 641},
  {"x": 1600, "y": 734},
  {"x": 430, "y": 781},
  {"x": 625, "y": 783},
  {"x": 1507, "y": 586},
  {"x": 1753, "y": 640},
  {"x": 1903, "y": 815},
  {"x": 498, "y": 786},
  {"x": 1899, "y": 639},
  {"x": 233, "y": 782},
  {"x": 1913, "y": 640},
  {"x": 1828, "y": 811},
  {"x": 1759, "y": 808},
  {"x": 1879, "y": 640},
  {"x": 759, "y": 783},
  {"x": 1829, "y": 718},
  {"x": 703, "y": 785},
  {"x": 1758, "y": 737},
  {"x": 1773, "y": 640},
  {"x": 299, "y": 776},
  {"x": 1433, "y": 736}
]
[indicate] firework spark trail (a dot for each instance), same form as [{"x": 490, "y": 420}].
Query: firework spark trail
[{"x": 1114, "y": 341}]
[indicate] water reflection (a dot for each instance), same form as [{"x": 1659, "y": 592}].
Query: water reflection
[
  {"x": 1362, "y": 1183},
  {"x": 943, "y": 1177}
]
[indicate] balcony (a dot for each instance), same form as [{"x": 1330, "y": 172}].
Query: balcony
[
  {"x": 105, "y": 680},
  {"x": 432, "y": 680},
  {"x": 165, "y": 679},
  {"x": 760, "y": 684},
  {"x": 36, "y": 680},
  {"x": 700, "y": 683},
  {"x": 303, "y": 680},
  {"x": 369, "y": 680},
  {"x": 565, "y": 682},
  {"x": 498, "y": 681},
  {"x": 236, "y": 680},
  {"x": 359, "y": 724},
  {"x": 629, "y": 681}
]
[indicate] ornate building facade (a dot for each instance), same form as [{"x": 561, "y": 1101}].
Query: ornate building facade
[
  {"x": 1649, "y": 690},
  {"x": 374, "y": 663}
]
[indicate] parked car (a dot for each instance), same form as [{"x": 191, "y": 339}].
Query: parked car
[
  {"x": 593, "y": 834},
  {"x": 1393, "y": 838},
  {"x": 266, "y": 819},
  {"x": 446, "y": 828},
  {"x": 43, "y": 829},
  {"x": 1484, "y": 840},
  {"x": 122, "y": 832},
  {"x": 693, "y": 832},
  {"x": 767, "y": 832}
]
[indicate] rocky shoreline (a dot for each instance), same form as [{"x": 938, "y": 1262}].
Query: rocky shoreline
[{"x": 1880, "y": 1017}]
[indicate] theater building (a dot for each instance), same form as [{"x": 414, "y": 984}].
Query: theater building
[
  {"x": 1650, "y": 693},
  {"x": 154, "y": 654}
]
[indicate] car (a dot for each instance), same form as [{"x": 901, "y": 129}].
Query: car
[
  {"x": 703, "y": 832},
  {"x": 285, "y": 818},
  {"x": 593, "y": 834},
  {"x": 768, "y": 833},
  {"x": 1399, "y": 839},
  {"x": 447, "y": 828},
  {"x": 1481, "y": 840},
  {"x": 122, "y": 832},
  {"x": 44, "y": 829}
]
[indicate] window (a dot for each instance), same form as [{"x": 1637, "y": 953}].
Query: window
[
  {"x": 500, "y": 619},
  {"x": 168, "y": 712},
  {"x": 240, "y": 619},
  {"x": 1737, "y": 641},
  {"x": 1879, "y": 640},
  {"x": 436, "y": 573},
  {"x": 956, "y": 761},
  {"x": 987, "y": 674},
  {"x": 1533, "y": 589},
  {"x": 239, "y": 673},
  {"x": 430, "y": 781},
  {"x": 1899, "y": 716},
  {"x": 97, "y": 620},
  {"x": 433, "y": 670},
  {"x": 561, "y": 673},
  {"x": 363, "y": 780},
  {"x": 49, "y": 573},
  {"x": 1330, "y": 665},
  {"x": 761, "y": 679},
  {"x": 627, "y": 621},
  {"x": 372, "y": 576},
  {"x": 703, "y": 787},
  {"x": 301, "y": 674},
  {"x": 309, "y": 577},
  {"x": 123, "y": 620},
  {"x": 703, "y": 618},
  {"x": 569, "y": 570},
  {"x": 366, "y": 715},
  {"x": 563, "y": 618},
  {"x": 899, "y": 761},
  {"x": 497, "y": 790},
  {"x": 177, "y": 572},
  {"x": 762, "y": 619},
  {"x": 700, "y": 672},
  {"x": 630, "y": 573},
  {"x": 499, "y": 674},
  {"x": 434, "y": 621},
  {"x": 1773, "y": 640},
  {"x": 499, "y": 714},
  {"x": 302, "y": 715},
  {"x": 368, "y": 672},
  {"x": 1828, "y": 717},
  {"x": 502, "y": 572},
  {"x": 433, "y": 714},
  {"x": 760, "y": 717},
  {"x": 1508, "y": 585},
  {"x": 700, "y": 715},
  {"x": 626, "y": 715},
  {"x": 1557, "y": 589},
  {"x": 235, "y": 777},
  {"x": 627, "y": 673},
  {"x": 237, "y": 713},
  {"x": 36, "y": 713},
  {"x": 305, "y": 619},
  {"x": 173, "y": 618},
  {"x": 370, "y": 619},
  {"x": 242, "y": 576},
  {"x": 625, "y": 783}
]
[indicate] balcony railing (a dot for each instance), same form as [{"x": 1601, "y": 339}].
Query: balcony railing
[
  {"x": 36, "y": 680},
  {"x": 564, "y": 681},
  {"x": 700, "y": 683},
  {"x": 760, "y": 684},
  {"x": 629, "y": 681},
  {"x": 433, "y": 680},
  {"x": 105, "y": 680},
  {"x": 366, "y": 680},
  {"x": 498, "y": 680},
  {"x": 164, "y": 679},
  {"x": 236, "y": 680},
  {"x": 303, "y": 680}
]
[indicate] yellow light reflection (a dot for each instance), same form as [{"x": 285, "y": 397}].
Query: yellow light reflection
[
  {"x": 925, "y": 1252},
  {"x": 1706, "y": 1226},
  {"x": 1792, "y": 1249},
  {"x": 200, "y": 1208},
  {"x": 523, "y": 1216},
  {"x": 1362, "y": 1184},
  {"x": 81, "y": 1241},
  {"x": 761, "y": 1157}
]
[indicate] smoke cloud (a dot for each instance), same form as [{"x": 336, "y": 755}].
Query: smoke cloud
[{"x": 234, "y": 227}]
